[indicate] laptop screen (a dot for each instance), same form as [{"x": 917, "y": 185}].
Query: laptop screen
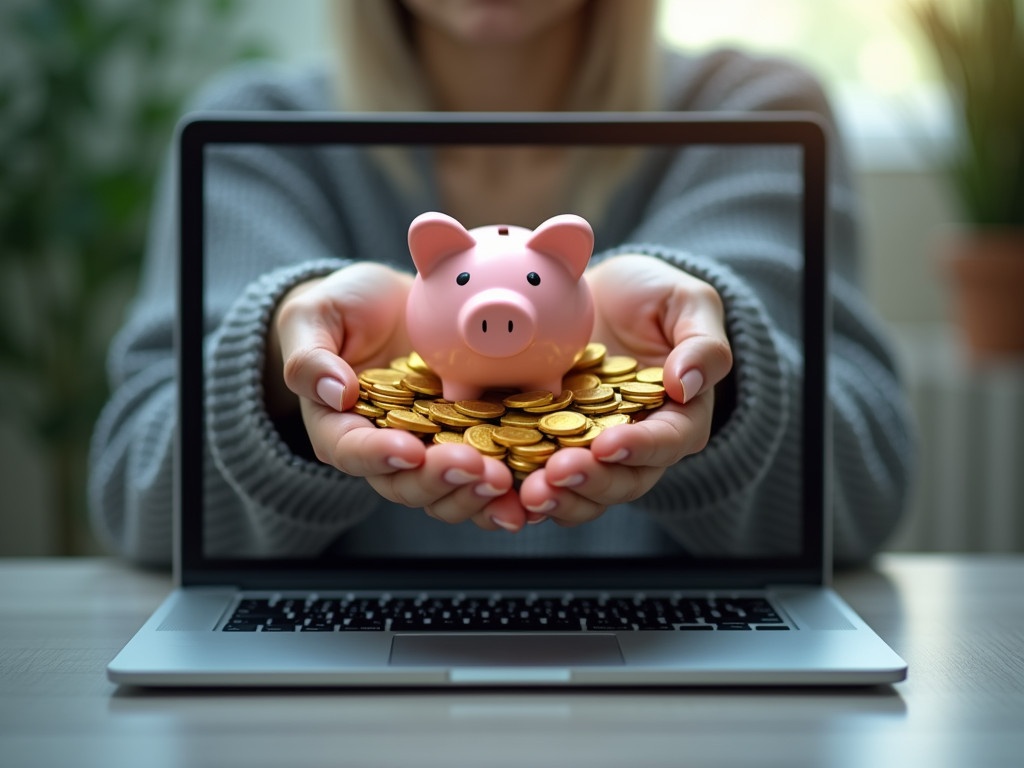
[{"x": 267, "y": 202}]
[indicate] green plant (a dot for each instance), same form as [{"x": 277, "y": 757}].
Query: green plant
[
  {"x": 89, "y": 93},
  {"x": 980, "y": 54}
]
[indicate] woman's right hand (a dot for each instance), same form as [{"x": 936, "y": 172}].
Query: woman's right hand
[{"x": 322, "y": 332}]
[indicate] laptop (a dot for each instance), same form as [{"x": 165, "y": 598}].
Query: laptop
[{"x": 547, "y": 606}]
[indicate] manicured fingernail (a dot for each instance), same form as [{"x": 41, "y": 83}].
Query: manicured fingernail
[
  {"x": 691, "y": 382},
  {"x": 457, "y": 476},
  {"x": 488, "y": 491},
  {"x": 536, "y": 520},
  {"x": 400, "y": 463},
  {"x": 540, "y": 509},
  {"x": 619, "y": 455},
  {"x": 504, "y": 524},
  {"x": 569, "y": 482},
  {"x": 331, "y": 391}
]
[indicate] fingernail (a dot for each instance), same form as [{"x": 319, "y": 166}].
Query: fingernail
[
  {"x": 457, "y": 476},
  {"x": 536, "y": 520},
  {"x": 488, "y": 491},
  {"x": 619, "y": 455},
  {"x": 504, "y": 524},
  {"x": 331, "y": 391},
  {"x": 400, "y": 463},
  {"x": 569, "y": 482},
  {"x": 691, "y": 382},
  {"x": 540, "y": 509}
]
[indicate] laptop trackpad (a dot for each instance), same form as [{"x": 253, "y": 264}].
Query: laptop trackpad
[{"x": 505, "y": 650}]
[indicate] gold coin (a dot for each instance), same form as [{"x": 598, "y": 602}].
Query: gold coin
[
  {"x": 534, "y": 452},
  {"x": 651, "y": 375},
  {"x": 616, "y": 365},
  {"x": 411, "y": 422},
  {"x": 422, "y": 407},
  {"x": 417, "y": 363},
  {"x": 382, "y": 423},
  {"x": 592, "y": 355},
  {"x": 645, "y": 399},
  {"x": 422, "y": 383},
  {"x": 521, "y": 465},
  {"x": 581, "y": 440},
  {"x": 627, "y": 407},
  {"x": 580, "y": 381},
  {"x": 401, "y": 364},
  {"x": 557, "y": 404},
  {"x": 563, "y": 423},
  {"x": 369, "y": 410},
  {"x": 447, "y": 437},
  {"x": 529, "y": 399},
  {"x": 479, "y": 409},
  {"x": 519, "y": 419},
  {"x": 388, "y": 406},
  {"x": 612, "y": 420},
  {"x": 510, "y": 436},
  {"x": 380, "y": 376},
  {"x": 596, "y": 394},
  {"x": 480, "y": 438},
  {"x": 641, "y": 389},
  {"x": 445, "y": 413},
  {"x": 608, "y": 406}
]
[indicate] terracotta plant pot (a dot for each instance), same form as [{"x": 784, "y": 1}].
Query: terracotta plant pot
[{"x": 987, "y": 270}]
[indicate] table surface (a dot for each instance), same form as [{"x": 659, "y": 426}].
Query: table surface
[{"x": 957, "y": 620}]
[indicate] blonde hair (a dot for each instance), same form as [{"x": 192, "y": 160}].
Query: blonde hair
[{"x": 377, "y": 72}]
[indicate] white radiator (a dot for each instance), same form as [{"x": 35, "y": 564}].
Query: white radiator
[{"x": 969, "y": 489}]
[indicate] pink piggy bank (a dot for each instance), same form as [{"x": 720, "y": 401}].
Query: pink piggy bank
[{"x": 499, "y": 306}]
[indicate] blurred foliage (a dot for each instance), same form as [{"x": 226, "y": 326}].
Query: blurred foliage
[
  {"x": 89, "y": 94},
  {"x": 979, "y": 50}
]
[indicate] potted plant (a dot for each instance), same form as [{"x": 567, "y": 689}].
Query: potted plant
[
  {"x": 89, "y": 93},
  {"x": 980, "y": 55}
]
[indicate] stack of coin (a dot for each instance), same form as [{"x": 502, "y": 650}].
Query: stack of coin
[{"x": 523, "y": 429}]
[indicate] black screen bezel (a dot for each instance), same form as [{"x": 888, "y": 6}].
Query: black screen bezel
[{"x": 197, "y": 132}]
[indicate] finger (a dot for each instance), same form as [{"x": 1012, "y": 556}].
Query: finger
[
  {"x": 661, "y": 439},
  {"x": 701, "y": 356},
  {"x": 355, "y": 446},
  {"x": 505, "y": 512},
  {"x": 562, "y": 506},
  {"x": 591, "y": 486},
  {"x": 444, "y": 468},
  {"x": 310, "y": 343},
  {"x": 469, "y": 500}
]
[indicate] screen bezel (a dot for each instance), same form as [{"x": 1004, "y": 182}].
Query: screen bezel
[{"x": 197, "y": 132}]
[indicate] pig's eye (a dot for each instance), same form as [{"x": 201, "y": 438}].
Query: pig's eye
[
  {"x": 533, "y": 278},
  {"x": 463, "y": 278}
]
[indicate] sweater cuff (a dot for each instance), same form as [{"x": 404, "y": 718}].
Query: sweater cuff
[{"x": 246, "y": 447}]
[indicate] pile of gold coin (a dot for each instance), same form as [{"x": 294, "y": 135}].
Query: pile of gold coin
[{"x": 523, "y": 429}]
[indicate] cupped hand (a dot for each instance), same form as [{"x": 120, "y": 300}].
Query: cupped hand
[
  {"x": 665, "y": 317},
  {"x": 326, "y": 330}
]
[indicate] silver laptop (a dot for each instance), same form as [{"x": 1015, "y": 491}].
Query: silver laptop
[{"x": 360, "y": 614}]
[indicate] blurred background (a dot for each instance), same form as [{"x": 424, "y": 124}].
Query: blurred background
[{"x": 90, "y": 91}]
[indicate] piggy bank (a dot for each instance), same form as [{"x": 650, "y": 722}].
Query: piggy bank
[{"x": 499, "y": 306}]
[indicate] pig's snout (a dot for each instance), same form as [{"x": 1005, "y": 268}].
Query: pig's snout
[{"x": 498, "y": 323}]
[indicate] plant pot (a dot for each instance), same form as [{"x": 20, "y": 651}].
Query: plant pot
[{"x": 987, "y": 274}]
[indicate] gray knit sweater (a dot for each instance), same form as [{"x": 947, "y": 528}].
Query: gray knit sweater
[{"x": 720, "y": 217}]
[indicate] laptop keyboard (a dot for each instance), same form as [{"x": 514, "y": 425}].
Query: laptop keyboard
[{"x": 426, "y": 613}]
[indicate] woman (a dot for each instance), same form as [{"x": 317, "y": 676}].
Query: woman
[{"x": 713, "y": 472}]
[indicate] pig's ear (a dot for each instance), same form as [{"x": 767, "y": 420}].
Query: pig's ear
[
  {"x": 433, "y": 237},
  {"x": 567, "y": 238}
]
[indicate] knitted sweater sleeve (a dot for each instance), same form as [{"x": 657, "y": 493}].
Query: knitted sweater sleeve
[
  {"x": 274, "y": 230},
  {"x": 729, "y": 217}
]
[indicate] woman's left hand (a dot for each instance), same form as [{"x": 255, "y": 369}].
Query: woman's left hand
[{"x": 662, "y": 316}]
